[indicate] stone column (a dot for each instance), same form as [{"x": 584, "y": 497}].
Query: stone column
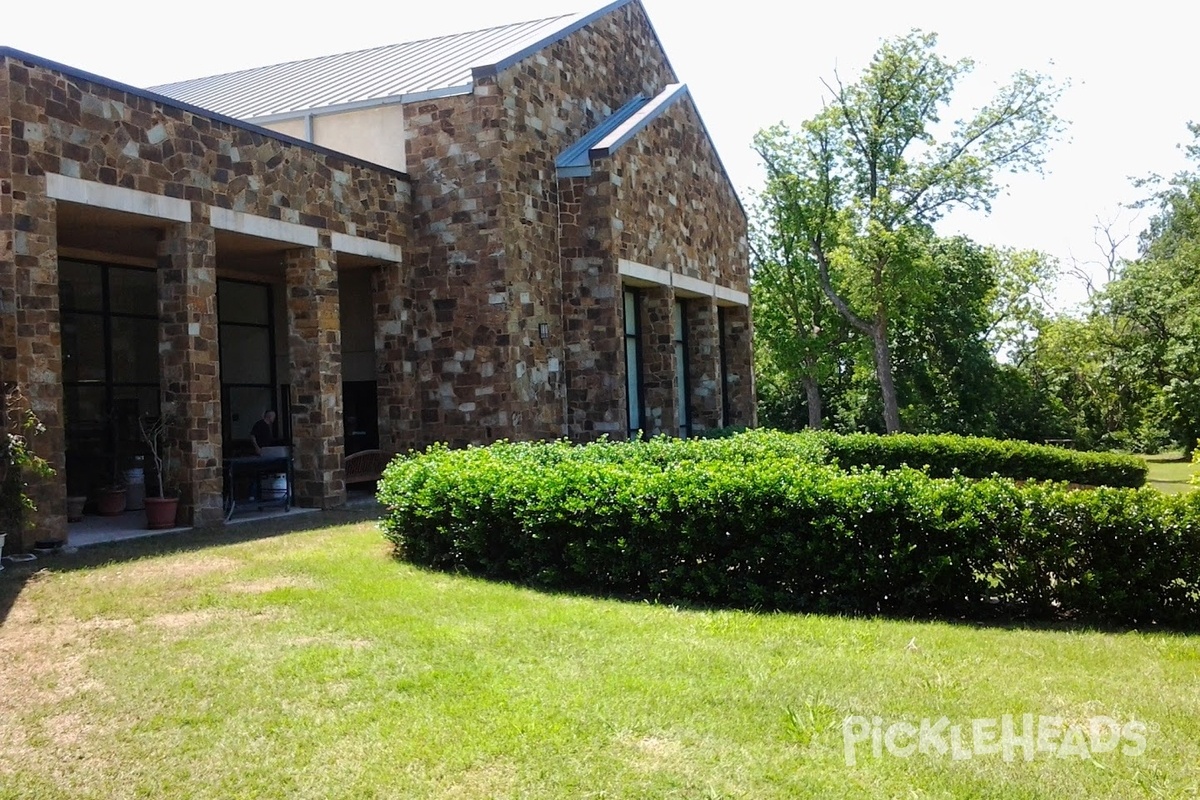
[
  {"x": 189, "y": 365},
  {"x": 31, "y": 340},
  {"x": 704, "y": 356},
  {"x": 593, "y": 325},
  {"x": 315, "y": 347},
  {"x": 395, "y": 363},
  {"x": 658, "y": 360},
  {"x": 739, "y": 380}
]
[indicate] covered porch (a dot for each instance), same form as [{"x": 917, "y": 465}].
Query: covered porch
[
  {"x": 158, "y": 258},
  {"x": 212, "y": 324}
]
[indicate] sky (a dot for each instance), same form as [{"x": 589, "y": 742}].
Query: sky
[{"x": 750, "y": 64}]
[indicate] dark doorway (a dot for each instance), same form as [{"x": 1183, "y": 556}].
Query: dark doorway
[{"x": 360, "y": 415}]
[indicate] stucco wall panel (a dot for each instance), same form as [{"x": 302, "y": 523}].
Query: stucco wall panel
[{"x": 373, "y": 134}]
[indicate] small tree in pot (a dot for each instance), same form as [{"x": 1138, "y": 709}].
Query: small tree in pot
[{"x": 160, "y": 510}]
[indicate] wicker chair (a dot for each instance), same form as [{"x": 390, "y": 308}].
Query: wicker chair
[{"x": 366, "y": 466}]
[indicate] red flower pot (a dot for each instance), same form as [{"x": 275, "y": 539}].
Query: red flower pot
[
  {"x": 111, "y": 502},
  {"x": 160, "y": 512}
]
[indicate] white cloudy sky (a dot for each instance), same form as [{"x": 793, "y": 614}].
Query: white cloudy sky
[{"x": 750, "y": 64}]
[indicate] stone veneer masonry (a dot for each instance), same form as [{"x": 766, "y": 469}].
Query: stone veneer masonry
[
  {"x": 504, "y": 250},
  {"x": 660, "y": 200},
  {"x": 315, "y": 347},
  {"x": 672, "y": 208},
  {"x": 189, "y": 363},
  {"x": 56, "y": 121}
]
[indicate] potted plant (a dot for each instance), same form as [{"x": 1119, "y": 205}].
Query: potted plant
[
  {"x": 110, "y": 497},
  {"x": 160, "y": 510},
  {"x": 17, "y": 460}
]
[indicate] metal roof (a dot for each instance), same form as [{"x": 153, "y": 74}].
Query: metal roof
[
  {"x": 575, "y": 161},
  {"x": 628, "y": 128},
  {"x": 397, "y": 73},
  {"x": 620, "y": 127}
]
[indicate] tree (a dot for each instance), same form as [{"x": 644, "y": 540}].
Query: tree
[
  {"x": 798, "y": 333},
  {"x": 1018, "y": 301},
  {"x": 869, "y": 176}
]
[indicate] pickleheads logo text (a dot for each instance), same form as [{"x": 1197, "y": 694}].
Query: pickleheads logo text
[{"x": 1009, "y": 737}]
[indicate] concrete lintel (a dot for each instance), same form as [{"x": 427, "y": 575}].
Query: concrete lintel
[
  {"x": 368, "y": 248},
  {"x": 644, "y": 274},
  {"x": 263, "y": 227},
  {"x": 692, "y": 286},
  {"x": 117, "y": 198},
  {"x": 730, "y": 297}
]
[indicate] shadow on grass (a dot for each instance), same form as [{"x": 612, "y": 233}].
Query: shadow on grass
[
  {"x": 15, "y": 576},
  {"x": 1168, "y": 458},
  {"x": 998, "y": 617}
]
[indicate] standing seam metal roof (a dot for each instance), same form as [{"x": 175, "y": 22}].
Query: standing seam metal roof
[{"x": 441, "y": 65}]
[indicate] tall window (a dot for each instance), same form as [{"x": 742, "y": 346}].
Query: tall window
[
  {"x": 109, "y": 317},
  {"x": 634, "y": 389},
  {"x": 247, "y": 338},
  {"x": 724, "y": 366},
  {"x": 683, "y": 393}
]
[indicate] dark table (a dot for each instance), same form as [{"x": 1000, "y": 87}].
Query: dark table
[{"x": 256, "y": 467}]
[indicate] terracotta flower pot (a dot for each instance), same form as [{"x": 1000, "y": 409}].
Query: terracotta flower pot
[
  {"x": 111, "y": 502},
  {"x": 160, "y": 512}
]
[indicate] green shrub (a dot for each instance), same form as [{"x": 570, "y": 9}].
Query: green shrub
[
  {"x": 944, "y": 455},
  {"x": 756, "y": 520},
  {"x": 18, "y": 462}
]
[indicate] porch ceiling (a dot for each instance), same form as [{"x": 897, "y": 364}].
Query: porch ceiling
[{"x": 90, "y": 231}]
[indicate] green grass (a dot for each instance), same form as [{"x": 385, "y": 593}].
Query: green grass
[
  {"x": 311, "y": 664},
  {"x": 1170, "y": 472}
]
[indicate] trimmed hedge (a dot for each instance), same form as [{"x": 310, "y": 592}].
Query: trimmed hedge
[
  {"x": 755, "y": 521},
  {"x": 943, "y": 456},
  {"x": 947, "y": 455}
]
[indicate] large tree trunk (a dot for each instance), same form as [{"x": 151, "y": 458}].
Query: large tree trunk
[
  {"x": 812, "y": 394},
  {"x": 887, "y": 383},
  {"x": 876, "y": 330}
]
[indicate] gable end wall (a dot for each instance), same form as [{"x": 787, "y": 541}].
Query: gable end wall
[{"x": 487, "y": 219}]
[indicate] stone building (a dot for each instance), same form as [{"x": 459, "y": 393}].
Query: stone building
[{"x": 522, "y": 232}]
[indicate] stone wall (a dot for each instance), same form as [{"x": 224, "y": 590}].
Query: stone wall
[
  {"x": 190, "y": 369},
  {"x": 460, "y": 337},
  {"x": 673, "y": 208},
  {"x": 488, "y": 218},
  {"x": 593, "y": 322},
  {"x": 30, "y": 338},
  {"x": 316, "y": 349},
  {"x": 553, "y": 99},
  {"x": 704, "y": 363},
  {"x": 661, "y": 200},
  {"x": 739, "y": 379},
  {"x": 84, "y": 129}
]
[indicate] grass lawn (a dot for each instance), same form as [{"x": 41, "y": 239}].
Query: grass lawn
[
  {"x": 1170, "y": 472},
  {"x": 310, "y": 664}
]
